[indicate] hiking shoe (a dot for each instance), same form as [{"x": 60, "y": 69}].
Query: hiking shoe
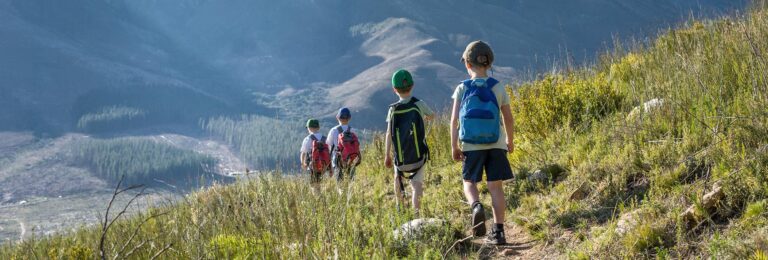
[
  {"x": 496, "y": 237},
  {"x": 478, "y": 219}
]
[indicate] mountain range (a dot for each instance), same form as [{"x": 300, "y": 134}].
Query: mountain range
[{"x": 175, "y": 62}]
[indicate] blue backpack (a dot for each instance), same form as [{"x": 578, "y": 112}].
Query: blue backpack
[{"x": 479, "y": 114}]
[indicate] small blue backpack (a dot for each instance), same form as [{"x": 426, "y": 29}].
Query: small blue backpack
[{"x": 479, "y": 114}]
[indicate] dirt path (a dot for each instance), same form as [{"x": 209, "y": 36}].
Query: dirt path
[{"x": 520, "y": 245}]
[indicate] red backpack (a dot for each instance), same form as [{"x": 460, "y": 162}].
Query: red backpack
[
  {"x": 320, "y": 156},
  {"x": 349, "y": 147}
]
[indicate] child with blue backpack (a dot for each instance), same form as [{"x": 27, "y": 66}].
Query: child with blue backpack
[
  {"x": 406, "y": 138},
  {"x": 482, "y": 122}
]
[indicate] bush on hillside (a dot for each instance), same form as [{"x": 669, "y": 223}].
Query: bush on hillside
[{"x": 557, "y": 101}]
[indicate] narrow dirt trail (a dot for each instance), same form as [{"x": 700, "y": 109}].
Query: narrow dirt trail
[{"x": 520, "y": 245}]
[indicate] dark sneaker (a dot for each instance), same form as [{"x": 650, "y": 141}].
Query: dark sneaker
[
  {"x": 496, "y": 237},
  {"x": 478, "y": 220}
]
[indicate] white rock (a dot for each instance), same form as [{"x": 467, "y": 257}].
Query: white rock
[
  {"x": 646, "y": 107},
  {"x": 628, "y": 221},
  {"x": 414, "y": 227},
  {"x": 537, "y": 175}
]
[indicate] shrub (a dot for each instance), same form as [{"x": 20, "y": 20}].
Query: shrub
[
  {"x": 571, "y": 101},
  {"x": 237, "y": 247}
]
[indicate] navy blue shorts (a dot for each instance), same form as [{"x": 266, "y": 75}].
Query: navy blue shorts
[{"x": 494, "y": 161}]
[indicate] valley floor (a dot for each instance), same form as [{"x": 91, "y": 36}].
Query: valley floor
[{"x": 43, "y": 192}]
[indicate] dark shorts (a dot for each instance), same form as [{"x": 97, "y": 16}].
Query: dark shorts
[{"x": 494, "y": 161}]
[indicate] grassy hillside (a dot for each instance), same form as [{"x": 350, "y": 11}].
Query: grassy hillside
[
  {"x": 609, "y": 159},
  {"x": 643, "y": 136}
]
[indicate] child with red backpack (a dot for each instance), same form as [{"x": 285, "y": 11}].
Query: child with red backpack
[
  {"x": 345, "y": 147},
  {"x": 315, "y": 154}
]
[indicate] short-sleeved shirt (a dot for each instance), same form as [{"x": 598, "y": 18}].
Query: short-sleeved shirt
[
  {"x": 423, "y": 108},
  {"x": 306, "y": 145},
  {"x": 503, "y": 99}
]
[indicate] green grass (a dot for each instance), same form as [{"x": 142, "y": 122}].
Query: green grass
[
  {"x": 712, "y": 126},
  {"x": 581, "y": 126}
]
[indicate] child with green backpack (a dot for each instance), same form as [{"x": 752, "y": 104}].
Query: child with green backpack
[
  {"x": 406, "y": 134},
  {"x": 479, "y": 104}
]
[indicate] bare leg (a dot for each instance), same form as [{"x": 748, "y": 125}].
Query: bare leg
[
  {"x": 496, "y": 188},
  {"x": 398, "y": 193},
  {"x": 418, "y": 190},
  {"x": 470, "y": 191}
]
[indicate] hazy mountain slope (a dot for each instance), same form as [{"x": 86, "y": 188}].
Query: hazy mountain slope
[
  {"x": 182, "y": 60},
  {"x": 67, "y": 59},
  {"x": 349, "y": 48}
]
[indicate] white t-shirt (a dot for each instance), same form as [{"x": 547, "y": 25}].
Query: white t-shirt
[
  {"x": 306, "y": 146},
  {"x": 333, "y": 136},
  {"x": 503, "y": 99}
]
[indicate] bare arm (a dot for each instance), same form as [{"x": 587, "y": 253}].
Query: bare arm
[
  {"x": 387, "y": 143},
  {"x": 332, "y": 140},
  {"x": 455, "y": 150},
  {"x": 303, "y": 159},
  {"x": 388, "y": 147},
  {"x": 509, "y": 126}
]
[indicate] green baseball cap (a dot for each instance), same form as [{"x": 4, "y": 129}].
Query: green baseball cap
[
  {"x": 402, "y": 79},
  {"x": 313, "y": 123}
]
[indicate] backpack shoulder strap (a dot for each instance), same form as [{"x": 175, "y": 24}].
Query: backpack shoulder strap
[
  {"x": 339, "y": 130},
  {"x": 313, "y": 137},
  {"x": 413, "y": 102},
  {"x": 397, "y": 105},
  {"x": 467, "y": 83},
  {"x": 490, "y": 82},
  {"x": 323, "y": 138},
  {"x": 468, "y": 86}
]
